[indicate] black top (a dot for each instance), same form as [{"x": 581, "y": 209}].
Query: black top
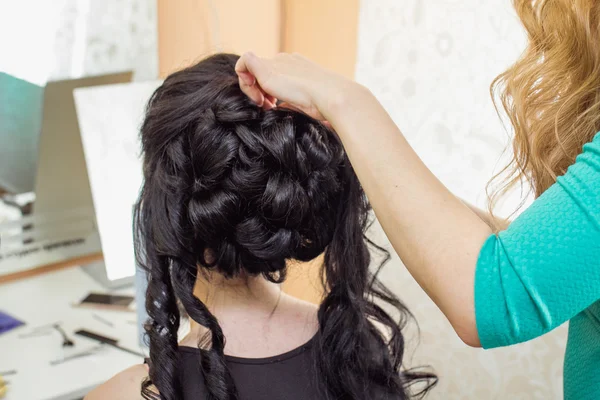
[{"x": 288, "y": 376}]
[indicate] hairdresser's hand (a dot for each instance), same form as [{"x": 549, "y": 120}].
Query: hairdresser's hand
[{"x": 292, "y": 79}]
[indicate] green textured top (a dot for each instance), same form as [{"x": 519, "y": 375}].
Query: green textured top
[{"x": 545, "y": 270}]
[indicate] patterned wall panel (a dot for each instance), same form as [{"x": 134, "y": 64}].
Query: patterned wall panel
[{"x": 430, "y": 63}]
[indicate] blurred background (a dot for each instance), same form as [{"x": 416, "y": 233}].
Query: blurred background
[{"x": 74, "y": 78}]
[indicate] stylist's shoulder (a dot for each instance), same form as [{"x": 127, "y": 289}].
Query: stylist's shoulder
[{"x": 126, "y": 385}]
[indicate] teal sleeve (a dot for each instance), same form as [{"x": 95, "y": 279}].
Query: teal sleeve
[{"x": 545, "y": 268}]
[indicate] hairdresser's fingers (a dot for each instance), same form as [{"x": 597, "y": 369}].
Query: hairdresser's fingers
[
  {"x": 267, "y": 104},
  {"x": 254, "y": 92},
  {"x": 270, "y": 98},
  {"x": 270, "y": 102},
  {"x": 247, "y": 80},
  {"x": 328, "y": 124},
  {"x": 289, "y": 78},
  {"x": 241, "y": 66},
  {"x": 255, "y": 66},
  {"x": 251, "y": 88}
]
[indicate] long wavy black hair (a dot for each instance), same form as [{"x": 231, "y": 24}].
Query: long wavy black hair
[{"x": 258, "y": 188}]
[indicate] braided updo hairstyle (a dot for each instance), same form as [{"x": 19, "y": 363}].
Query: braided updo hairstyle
[{"x": 255, "y": 189}]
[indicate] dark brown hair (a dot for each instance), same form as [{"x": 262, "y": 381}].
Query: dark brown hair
[{"x": 258, "y": 188}]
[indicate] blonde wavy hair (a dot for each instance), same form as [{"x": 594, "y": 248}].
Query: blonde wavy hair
[{"x": 552, "y": 93}]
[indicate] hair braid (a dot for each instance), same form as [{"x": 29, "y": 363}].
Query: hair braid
[{"x": 253, "y": 189}]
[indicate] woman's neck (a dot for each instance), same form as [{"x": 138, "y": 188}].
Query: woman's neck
[
  {"x": 256, "y": 317},
  {"x": 241, "y": 295}
]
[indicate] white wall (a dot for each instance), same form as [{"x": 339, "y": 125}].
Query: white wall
[
  {"x": 431, "y": 63},
  {"x": 58, "y": 39}
]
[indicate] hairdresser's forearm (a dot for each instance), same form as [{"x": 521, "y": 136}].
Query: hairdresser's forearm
[{"x": 437, "y": 236}]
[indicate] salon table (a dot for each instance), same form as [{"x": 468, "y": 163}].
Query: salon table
[{"x": 47, "y": 299}]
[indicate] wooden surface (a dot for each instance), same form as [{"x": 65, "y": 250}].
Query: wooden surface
[
  {"x": 189, "y": 30},
  {"x": 50, "y": 268},
  {"x": 324, "y": 31}
]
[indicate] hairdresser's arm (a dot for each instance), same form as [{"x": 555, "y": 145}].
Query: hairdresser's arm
[
  {"x": 495, "y": 290},
  {"x": 435, "y": 234}
]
